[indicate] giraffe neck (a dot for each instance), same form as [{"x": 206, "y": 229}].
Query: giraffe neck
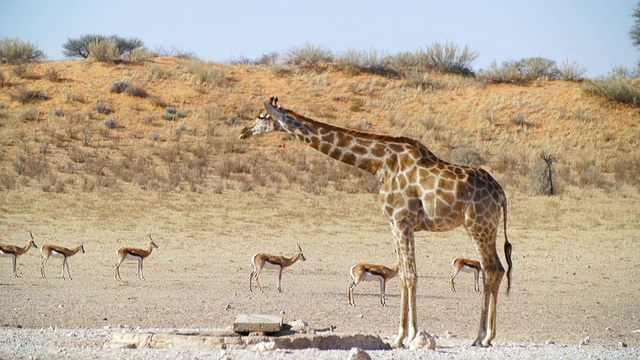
[{"x": 362, "y": 150}]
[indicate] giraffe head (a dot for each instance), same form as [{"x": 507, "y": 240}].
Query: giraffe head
[{"x": 264, "y": 123}]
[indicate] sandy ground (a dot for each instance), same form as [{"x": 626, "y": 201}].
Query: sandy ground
[{"x": 576, "y": 258}]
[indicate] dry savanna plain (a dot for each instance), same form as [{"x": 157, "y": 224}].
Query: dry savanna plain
[{"x": 80, "y": 163}]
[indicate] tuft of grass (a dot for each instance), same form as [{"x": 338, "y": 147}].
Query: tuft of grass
[
  {"x": 53, "y": 75},
  {"x": 171, "y": 113},
  {"x": 136, "y": 91},
  {"x": 102, "y": 108},
  {"x": 571, "y": 71},
  {"x": 31, "y": 165},
  {"x": 128, "y": 88},
  {"x": 202, "y": 73},
  {"x": 25, "y": 96},
  {"x": 113, "y": 124},
  {"x": 614, "y": 88},
  {"x": 29, "y": 114}
]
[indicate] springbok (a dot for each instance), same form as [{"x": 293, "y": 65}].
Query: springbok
[
  {"x": 134, "y": 254},
  {"x": 266, "y": 261},
  {"x": 13, "y": 251},
  {"x": 49, "y": 250},
  {"x": 465, "y": 265},
  {"x": 372, "y": 272}
]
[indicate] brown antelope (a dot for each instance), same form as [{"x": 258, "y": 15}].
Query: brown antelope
[
  {"x": 465, "y": 265},
  {"x": 272, "y": 262},
  {"x": 372, "y": 272},
  {"x": 14, "y": 251},
  {"x": 49, "y": 250},
  {"x": 134, "y": 254}
]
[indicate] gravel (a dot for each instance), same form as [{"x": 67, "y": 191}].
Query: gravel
[{"x": 56, "y": 343}]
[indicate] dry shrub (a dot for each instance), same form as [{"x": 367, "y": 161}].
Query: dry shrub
[
  {"x": 53, "y": 75},
  {"x": 124, "y": 86},
  {"x": 25, "y": 96},
  {"x": 53, "y": 184},
  {"x": 467, "y": 157},
  {"x": 7, "y": 181},
  {"x": 589, "y": 175},
  {"x": 627, "y": 171},
  {"x": 29, "y": 114},
  {"x": 31, "y": 165}
]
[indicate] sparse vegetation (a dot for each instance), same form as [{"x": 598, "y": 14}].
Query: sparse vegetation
[{"x": 404, "y": 94}]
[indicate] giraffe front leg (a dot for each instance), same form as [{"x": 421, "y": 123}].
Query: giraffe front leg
[{"x": 403, "y": 316}]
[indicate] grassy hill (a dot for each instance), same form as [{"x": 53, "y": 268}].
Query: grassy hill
[{"x": 171, "y": 124}]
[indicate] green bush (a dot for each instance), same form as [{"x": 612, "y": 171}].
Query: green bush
[
  {"x": 111, "y": 48},
  {"x": 15, "y": 51},
  {"x": 614, "y": 88}
]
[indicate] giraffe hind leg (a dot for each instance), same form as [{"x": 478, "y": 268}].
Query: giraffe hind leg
[{"x": 491, "y": 283}]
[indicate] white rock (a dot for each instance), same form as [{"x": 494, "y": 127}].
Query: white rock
[
  {"x": 423, "y": 340},
  {"x": 264, "y": 346},
  {"x": 358, "y": 354}
]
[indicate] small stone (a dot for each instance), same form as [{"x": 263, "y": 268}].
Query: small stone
[
  {"x": 448, "y": 334},
  {"x": 358, "y": 354},
  {"x": 608, "y": 328},
  {"x": 423, "y": 340},
  {"x": 264, "y": 346},
  {"x": 585, "y": 341},
  {"x": 550, "y": 342},
  {"x": 622, "y": 344}
]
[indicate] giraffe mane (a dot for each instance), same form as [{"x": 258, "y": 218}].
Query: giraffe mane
[{"x": 356, "y": 133}]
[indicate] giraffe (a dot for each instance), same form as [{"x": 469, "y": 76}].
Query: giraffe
[{"x": 418, "y": 192}]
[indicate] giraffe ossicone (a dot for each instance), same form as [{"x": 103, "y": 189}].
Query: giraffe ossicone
[{"x": 419, "y": 191}]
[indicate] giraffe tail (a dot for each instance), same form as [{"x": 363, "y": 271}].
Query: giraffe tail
[{"x": 507, "y": 246}]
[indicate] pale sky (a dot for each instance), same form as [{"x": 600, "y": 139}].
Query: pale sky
[{"x": 595, "y": 33}]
